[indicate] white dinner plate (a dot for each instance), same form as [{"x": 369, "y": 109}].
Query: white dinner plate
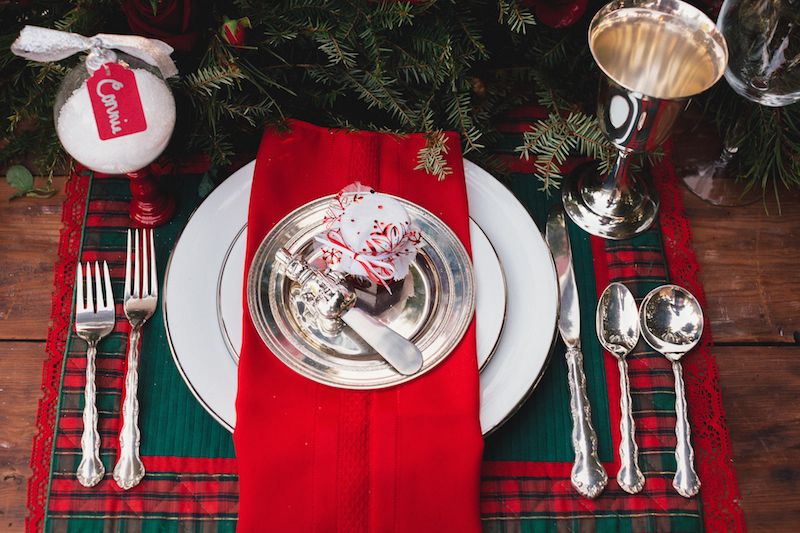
[{"x": 203, "y": 291}]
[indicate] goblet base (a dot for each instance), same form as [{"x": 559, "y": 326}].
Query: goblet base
[
  {"x": 711, "y": 184},
  {"x": 614, "y": 213}
]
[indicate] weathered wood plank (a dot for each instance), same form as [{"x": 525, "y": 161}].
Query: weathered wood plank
[
  {"x": 760, "y": 391},
  {"x": 29, "y": 232},
  {"x": 20, "y": 379},
  {"x": 750, "y": 268}
]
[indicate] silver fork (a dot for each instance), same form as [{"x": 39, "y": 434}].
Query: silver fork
[
  {"x": 139, "y": 304},
  {"x": 94, "y": 319}
]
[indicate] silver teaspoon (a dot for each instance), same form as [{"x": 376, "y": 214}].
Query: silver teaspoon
[
  {"x": 617, "y": 323},
  {"x": 672, "y": 323}
]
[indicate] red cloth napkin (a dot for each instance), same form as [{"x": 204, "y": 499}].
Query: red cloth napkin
[{"x": 317, "y": 458}]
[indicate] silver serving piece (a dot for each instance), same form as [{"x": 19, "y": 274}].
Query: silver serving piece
[
  {"x": 432, "y": 307},
  {"x": 588, "y": 475},
  {"x": 617, "y": 324},
  {"x": 327, "y": 295},
  {"x": 140, "y": 299},
  {"x": 655, "y": 55},
  {"x": 672, "y": 323},
  {"x": 94, "y": 319}
]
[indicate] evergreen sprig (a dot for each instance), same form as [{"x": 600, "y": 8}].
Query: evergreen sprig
[
  {"x": 400, "y": 67},
  {"x": 553, "y": 140},
  {"x": 431, "y": 158}
]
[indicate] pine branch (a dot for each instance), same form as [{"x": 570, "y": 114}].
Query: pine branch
[
  {"x": 208, "y": 80},
  {"x": 458, "y": 112},
  {"x": 517, "y": 18},
  {"x": 553, "y": 140},
  {"x": 376, "y": 91},
  {"x": 431, "y": 158},
  {"x": 336, "y": 51}
]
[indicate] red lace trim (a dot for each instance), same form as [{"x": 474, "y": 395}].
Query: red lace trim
[
  {"x": 722, "y": 510},
  {"x": 69, "y": 245}
]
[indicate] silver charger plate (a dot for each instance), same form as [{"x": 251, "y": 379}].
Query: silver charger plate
[{"x": 432, "y": 307}]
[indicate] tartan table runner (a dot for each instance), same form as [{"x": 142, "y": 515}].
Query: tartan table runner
[{"x": 191, "y": 482}]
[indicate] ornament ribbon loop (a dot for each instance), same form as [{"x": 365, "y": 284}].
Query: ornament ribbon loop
[{"x": 44, "y": 45}]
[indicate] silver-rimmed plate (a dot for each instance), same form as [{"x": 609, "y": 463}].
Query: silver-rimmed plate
[
  {"x": 432, "y": 307},
  {"x": 204, "y": 284}
]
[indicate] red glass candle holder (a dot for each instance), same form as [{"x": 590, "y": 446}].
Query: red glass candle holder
[{"x": 151, "y": 203}]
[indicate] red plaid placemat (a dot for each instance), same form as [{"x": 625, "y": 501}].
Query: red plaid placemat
[{"x": 192, "y": 484}]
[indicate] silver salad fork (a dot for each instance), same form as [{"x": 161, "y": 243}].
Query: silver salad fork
[
  {"x": 140, "y": 298},
  {"x": 94, "y": 319}
]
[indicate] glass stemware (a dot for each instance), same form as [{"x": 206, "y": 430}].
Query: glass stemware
[{"x": 764, "y": 67}]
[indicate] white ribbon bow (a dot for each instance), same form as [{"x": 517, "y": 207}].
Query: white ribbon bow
[{"x": 43, "y": 45}]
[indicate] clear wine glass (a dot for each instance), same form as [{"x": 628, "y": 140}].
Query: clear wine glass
[{"x": 763, "y": 39}]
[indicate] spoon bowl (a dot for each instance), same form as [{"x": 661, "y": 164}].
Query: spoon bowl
[
  {"x": 617, "y": 320},
  {"x": 672, "y": 320}
]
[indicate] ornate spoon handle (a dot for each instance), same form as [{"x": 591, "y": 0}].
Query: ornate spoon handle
[
  {"x": 91, "y": 469},
  {"x": 629, "y": 477},
  {"x": 686, "y": 481},
  {"x": 129, "y": 470},
  {"x": 588, "y": 475}
]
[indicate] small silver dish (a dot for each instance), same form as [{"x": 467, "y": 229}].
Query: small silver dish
[{"x": 432, "y": 307}]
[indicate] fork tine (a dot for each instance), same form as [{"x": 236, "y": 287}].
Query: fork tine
[
  {"x": 153, "y": 276},
  {"x": 145, "y": 266},
  {"x": 89, "y": 296},
  {"x": 136, "y": 254},
  {"x": 79, "y": 307},
  {"x": 109, "y": 290},
  {"x": 98, "y": 288},
  {"x": 127, "y": 292}
]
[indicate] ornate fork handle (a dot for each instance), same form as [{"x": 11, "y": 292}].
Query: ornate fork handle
[
  {"x": 588, "y": 475},
  {"x": 686, "y": 481},
  {"x": 129, "y": 470},
  {"x": 91, "y": 469},
  {"x": 629, "y": 477}
]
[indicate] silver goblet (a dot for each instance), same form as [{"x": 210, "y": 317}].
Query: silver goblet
[{"x": 655, "y": 55}]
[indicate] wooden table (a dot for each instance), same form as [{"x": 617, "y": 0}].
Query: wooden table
[{"x": 751, "y": 271}]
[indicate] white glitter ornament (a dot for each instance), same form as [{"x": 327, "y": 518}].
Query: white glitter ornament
[
  {"x": 114, "y": 112},
  {"x": 78, "y": 130}
]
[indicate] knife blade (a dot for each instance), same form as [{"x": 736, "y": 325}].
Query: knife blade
[
  {"x": 588, "y": 476},
  {"x": 569, "y": 318}
]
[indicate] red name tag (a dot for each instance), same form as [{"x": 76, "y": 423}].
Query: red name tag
[{"x": 115, "y": 101}]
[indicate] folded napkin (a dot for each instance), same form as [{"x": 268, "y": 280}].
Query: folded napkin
[{"x": 317, "y": 458}]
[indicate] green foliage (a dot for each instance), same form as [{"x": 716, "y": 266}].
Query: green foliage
[
  {"x": 22, "y": 180},
  {"x": 552, "y": 140},
  {"x": 391, "y": 66},
  {"x": 517, "y": 18},
  {"x": 431, "y": 158}
]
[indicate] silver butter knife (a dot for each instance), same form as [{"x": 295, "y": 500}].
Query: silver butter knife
[
  {"x": 588, "y": 475},
  {"x": 333, "y": 300}
]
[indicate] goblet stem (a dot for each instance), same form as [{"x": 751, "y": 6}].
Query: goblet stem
[{"x": 619, "y": 176}]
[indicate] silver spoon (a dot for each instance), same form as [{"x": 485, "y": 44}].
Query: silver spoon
[
  {"x": 618, "y": 330},
  {"x": 672, "y": 323}
]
